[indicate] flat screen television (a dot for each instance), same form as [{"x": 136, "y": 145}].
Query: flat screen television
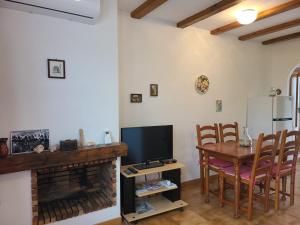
[{"x": 147, "y": 143}]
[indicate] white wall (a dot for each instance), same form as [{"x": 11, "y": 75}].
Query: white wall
[
  {"x": 282, "y": 60},
  {"x": 87, "y": 99},
  {"x": 153, "y": 52}
]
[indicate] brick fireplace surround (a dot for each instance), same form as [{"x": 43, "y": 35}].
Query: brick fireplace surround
[{"x": 69, "y": 184}]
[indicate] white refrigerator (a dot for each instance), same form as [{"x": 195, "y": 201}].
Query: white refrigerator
[{"x": 269, "y": 114}]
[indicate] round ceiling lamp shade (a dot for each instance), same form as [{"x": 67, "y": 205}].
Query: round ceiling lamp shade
[{"x": 246, "y": 16}]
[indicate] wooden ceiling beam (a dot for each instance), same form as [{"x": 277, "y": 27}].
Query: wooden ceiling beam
[
  {"x": 262, "y": 15},
  {"x": 145, "y": 8},
  {"x": 282, "y": 38},
  {"x": 210, "y": 11},
  {"x": 269, "y": 30}
]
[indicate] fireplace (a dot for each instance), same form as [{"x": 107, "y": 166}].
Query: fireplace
[
  {"x": 69, "y": 184},
  {"x": 67, "y": 191}
]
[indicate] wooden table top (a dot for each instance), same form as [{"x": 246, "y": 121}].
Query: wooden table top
[{"x": 230, "y": 149}]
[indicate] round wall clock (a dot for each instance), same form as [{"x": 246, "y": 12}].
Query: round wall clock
[{"x": 202, "y": 84}]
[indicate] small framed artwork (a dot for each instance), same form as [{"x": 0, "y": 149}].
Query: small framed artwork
[
  {"x": 136, "y": 98},
  {"x": 56, "y": 69},
  {"x": 26, "y": 140},
  {"x": 218, "y": 105},
  {"x": 153, "y": 89}
]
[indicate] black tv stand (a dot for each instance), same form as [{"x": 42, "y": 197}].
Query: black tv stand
[
  {"x": 162, "y": 200},
  {"x": 148, "y": 165}
]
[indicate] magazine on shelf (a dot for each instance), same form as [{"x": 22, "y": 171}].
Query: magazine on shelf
[
  {"x": 154, "y": 186},
  {"x": 143, "y": 207}
]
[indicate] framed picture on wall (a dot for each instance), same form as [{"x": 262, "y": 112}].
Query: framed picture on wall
[
  {"x": 219, "y": 105},
  {"x": 136, "y": 98},
  {"x": 56, "y": 69},
  {"x": 154, "y": 90}
]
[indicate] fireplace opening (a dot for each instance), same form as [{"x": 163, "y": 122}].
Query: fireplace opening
[{"x": 67, "y": 191}]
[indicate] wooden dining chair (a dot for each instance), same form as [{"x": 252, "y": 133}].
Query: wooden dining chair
[
  {"x": 260, "y": 171},
  {"x": 229, "y": 132},
  {"x": 208, "y": 134},
  {"x": 286, "y": 165}
]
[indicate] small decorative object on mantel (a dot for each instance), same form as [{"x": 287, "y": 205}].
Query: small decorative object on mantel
[
  {"x": 154, "y": 90},
  {"x": 25, "y": 141},
  {"x": 218, "y": 105},
  {"x": 81, "y": 138},
  {"x": 136, "y": 98},
  {"x": 107, "y": 137},
  {"x": 39, "y": 149},
  {"x": 91, "y": 143},
  {"x": 56, "y": 69},
  {"x": 53, "y": 148},
  {"x": 68, "y": 145},
  {"x": 3, "y": 148},
  {"x": 202, "y": 84}
]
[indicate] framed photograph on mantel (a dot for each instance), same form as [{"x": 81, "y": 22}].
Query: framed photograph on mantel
[
  {"x": 26, "y": 140},
  {"x": 56, "y": 69}
]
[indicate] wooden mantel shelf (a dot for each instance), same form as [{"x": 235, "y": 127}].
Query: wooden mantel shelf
[{"x": 29, "y": 161}]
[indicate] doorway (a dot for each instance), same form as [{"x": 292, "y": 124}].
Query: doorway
[{"x": 294, "y": 91}]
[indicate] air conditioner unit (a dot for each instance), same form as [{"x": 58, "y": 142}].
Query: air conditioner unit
[{"x": 85, "y": 11}]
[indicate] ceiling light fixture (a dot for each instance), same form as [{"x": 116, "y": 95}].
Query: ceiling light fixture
[{"x": 246, "y": 16}]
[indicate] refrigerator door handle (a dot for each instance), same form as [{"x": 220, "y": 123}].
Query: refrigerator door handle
[{"x": 282, "y": 119}]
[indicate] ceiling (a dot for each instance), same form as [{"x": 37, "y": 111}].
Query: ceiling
[{"x": 174, "y": 11}]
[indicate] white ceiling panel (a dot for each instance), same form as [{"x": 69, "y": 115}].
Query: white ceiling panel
[{"x": 129, "y": 5}]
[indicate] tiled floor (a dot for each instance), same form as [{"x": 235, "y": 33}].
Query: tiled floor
[{"x": 200, "y": 213}]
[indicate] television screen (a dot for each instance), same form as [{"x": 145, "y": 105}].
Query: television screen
[{"x": 147, "y": 143}]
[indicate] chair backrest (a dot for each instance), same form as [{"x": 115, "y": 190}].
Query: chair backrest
[
  {"x": 207, "y": 134},
  {"x": 229, "y": 132},
  {"x": 265, "y": 152},
  {"x": 289, "y": 148}
]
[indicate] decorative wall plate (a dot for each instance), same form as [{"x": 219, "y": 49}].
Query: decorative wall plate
[{"x": 202, "y": 84}]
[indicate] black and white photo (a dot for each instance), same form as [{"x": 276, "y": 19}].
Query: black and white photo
[
  {"x": 25, "y": 141},
  {"x": 56, "y": 68}
]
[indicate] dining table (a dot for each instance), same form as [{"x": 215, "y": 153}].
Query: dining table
[{"x": 231, "y": 152}]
